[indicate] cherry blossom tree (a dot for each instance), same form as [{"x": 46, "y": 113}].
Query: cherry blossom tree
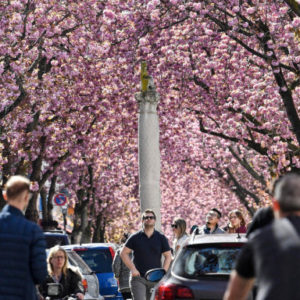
[{"x": 228, "y": 77}]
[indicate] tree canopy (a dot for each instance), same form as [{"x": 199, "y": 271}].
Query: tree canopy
[{"x": 228, "y": 77}]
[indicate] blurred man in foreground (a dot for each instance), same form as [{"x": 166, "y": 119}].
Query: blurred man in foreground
[
  {"x": 272, "y": 254},
  {"x": 22, "y": 245}
]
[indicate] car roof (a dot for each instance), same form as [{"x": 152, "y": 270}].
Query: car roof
[
  {"x": 217, "y": 238},
  {"x": 89, "y": 246},
  {"x": 55, "y": 233}
]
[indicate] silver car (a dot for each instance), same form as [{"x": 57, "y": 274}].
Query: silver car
[
  {"x": 202, "y": 268},
  {"x": 90, "y": 280}
]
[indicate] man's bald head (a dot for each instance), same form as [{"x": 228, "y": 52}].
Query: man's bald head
[
  {"x": 16, "y": 186},
  {"x": 287, "y": 193}
]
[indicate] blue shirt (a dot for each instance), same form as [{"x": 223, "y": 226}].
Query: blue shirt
[{"x": 147, "y": 251}]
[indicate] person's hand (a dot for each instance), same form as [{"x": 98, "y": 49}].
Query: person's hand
[
  {"x": 80, "y": 296},
  {"x": 135, "y": 273}
]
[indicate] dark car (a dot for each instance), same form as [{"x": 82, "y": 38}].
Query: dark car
[
  {"x": 202, "y": 268},
  {"x": 56, "y": 237},
  {"x": 99, "y": 257}
]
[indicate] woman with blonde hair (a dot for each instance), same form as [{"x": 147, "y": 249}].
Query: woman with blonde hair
[
  {"x": 236, "y": 223},
  {"x": 181, "y": 237},
  {"x": 59, "y": 271}
]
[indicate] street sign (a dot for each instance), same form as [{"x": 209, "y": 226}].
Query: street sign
[{"x": 60, "y": 200}]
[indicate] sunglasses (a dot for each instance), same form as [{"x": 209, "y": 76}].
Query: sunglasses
[
  {"x": 173, "y": 225},
  {"x": 212, "y": 215},
  {"x": 149, "y": 218}
]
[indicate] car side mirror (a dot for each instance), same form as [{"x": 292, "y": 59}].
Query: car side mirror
[{"x": 155, "y": 275}]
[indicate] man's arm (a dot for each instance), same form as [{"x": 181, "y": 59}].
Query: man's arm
[
  {"x": 128, "y": 262},
  {"x": 238, "y": 287},
  {"x": 167, "y": 261}
]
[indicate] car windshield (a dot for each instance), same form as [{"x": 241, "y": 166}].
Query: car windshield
[
  {"x": 99, "y": 260},
  {"x": 76, "y": 261},
  {"x": 53, "y": 240},
  {"x": 201, "y": 260}
]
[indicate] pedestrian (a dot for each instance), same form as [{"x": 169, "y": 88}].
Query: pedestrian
[
  {"x": 262, "y": 217},
  {"x": 181, "y": 237},
  {"x": 22, "y": 245},
  {"x": 236, "y": 223},
  {"x": 147, "y": 245},
  {"x": 121, "y": 271},
  {"x": 272, "y": 254},
  {"x": 211, "y": 226},
  {"x": 59, "y": 271},
  {"x": 194, "y": 229}
]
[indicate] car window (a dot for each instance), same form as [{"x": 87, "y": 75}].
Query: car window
[
  {"x": 202, "y": 260},
  {"x": 99, "y": 260},
  {"x": 76, "y": 261},
  {"x": 53, "y": 240}
]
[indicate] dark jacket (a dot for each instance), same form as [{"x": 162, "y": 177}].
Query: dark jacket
[
  {"x": 22, "y": 256},
  {"x": 229, "y": 229},
  {"x": 206, "y": 230},
  {"x": 276, "y": 258},
  {"x": 121, "y": 272},
  {"x": 71, "y": 283}
]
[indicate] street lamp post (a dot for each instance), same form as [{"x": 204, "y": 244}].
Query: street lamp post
[{"x": 148, "y": 145}]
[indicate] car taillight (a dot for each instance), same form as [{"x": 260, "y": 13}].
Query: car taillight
[
  {"x": 112, "y": 252},
  {"x": 85, "y": 285},
  {"x": 173, "y": 291}
]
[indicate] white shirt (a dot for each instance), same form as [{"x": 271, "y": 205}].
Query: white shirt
[{"x": 182, "y": 241}]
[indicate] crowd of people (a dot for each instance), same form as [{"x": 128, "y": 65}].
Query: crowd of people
[
  {"x": 142, "y": 251},
  {"x": 271, "y": 254}
]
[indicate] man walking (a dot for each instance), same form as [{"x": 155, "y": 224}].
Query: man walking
[
  {"x": 22, "y": 245},
  {"x": 211, "y": 226},
  {"x": 147, "y": 245},
  {"x": 272, "y": 254},
  {"x": 121, "y": 271}
]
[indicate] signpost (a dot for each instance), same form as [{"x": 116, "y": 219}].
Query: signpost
[{"x": 62, "y": 201}]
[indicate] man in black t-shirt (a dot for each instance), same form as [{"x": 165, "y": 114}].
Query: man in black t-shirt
[
  {"x": 272, "y": 254},
  {"x": 147, "y": 246}
]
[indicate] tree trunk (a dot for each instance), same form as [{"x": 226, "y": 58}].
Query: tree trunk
[
  {"x": 96, "y": 235},
  {"x": 80, "y": 222},
  {"x": 99, "y": 230},
  {"x": 87, "y": 234},
  {"x": 31, "y": 211},
  {"x": 50, "y": 197},
  {"x": 2, "y": 201}
]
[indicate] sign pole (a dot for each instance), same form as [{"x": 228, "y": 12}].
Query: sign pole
[{"x": 61, "y": 200}]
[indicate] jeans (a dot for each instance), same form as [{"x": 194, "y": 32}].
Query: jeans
[{"x": 140, "y": 288}]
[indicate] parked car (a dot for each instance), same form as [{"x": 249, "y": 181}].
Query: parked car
[
  {"x": 89, "y": 279},
  {"x": 56, "y": 237},
  {"x": 99, "y": 257},
  {"x": 202, "y": 268}
]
